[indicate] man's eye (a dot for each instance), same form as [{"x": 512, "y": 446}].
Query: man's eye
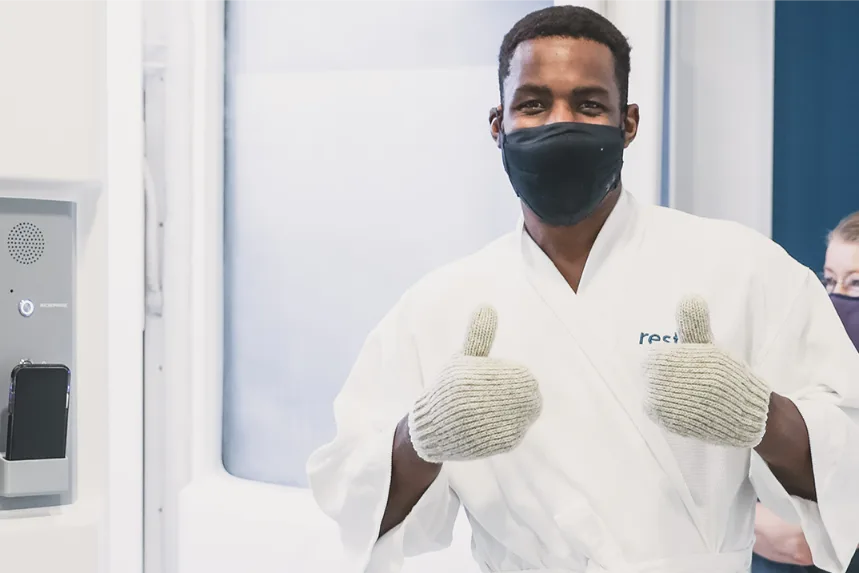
[
  {"x": 829, "y": 283},
  {"x": 530, "y": 105},
  {"x": 592, "y": 106}
]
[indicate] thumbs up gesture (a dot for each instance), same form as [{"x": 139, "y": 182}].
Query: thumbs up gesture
[
  {"x": 480, "y": 406},
  {"x": 697, "y": 390}
]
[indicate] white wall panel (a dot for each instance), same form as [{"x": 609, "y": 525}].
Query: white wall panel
[
  {"x": 51, "y": 58},
  {"x": 722, "y": 110}
]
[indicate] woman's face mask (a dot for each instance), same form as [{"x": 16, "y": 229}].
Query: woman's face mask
[{"x": 847, "y": 308}]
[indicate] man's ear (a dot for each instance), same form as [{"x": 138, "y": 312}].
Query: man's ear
[
  {"x": 630, "y": 124},
  {"x": 495, "y": 117}
]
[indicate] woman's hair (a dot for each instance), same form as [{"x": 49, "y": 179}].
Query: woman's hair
[{"x": 847, "y": 230}]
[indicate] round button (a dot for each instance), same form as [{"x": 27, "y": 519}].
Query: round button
[{"x": 26, "y": 307}]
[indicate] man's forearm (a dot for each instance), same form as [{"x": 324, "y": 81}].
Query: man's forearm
[
  {"x": 786, "y": 448},
  {"x": 410, "y": 478}
]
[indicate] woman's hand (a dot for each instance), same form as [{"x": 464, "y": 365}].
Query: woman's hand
[{"x": 778, "y": 540}]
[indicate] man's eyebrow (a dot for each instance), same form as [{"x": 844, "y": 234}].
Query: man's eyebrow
[
  {"x": 590, "y": 91},
  {"x": 579, "y": 92},
  {"x": 532, "y": 89}
]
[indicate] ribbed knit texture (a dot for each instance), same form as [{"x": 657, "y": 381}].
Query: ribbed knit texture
[
  {"x": 697, "y": 390},
  {"x": 479, "y": 406}
]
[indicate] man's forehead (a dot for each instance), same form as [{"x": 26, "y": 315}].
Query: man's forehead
[{"x": 553, "y": 56}]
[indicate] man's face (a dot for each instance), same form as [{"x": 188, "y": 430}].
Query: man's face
[{"x": 561, "y": 80}]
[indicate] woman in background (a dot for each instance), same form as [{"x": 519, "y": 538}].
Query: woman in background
[
  {"x": 780, "y": 546},
  {"x": 841, "y": 273}
]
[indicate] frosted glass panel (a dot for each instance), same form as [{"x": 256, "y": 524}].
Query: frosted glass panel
[
  {"x": 352, "y": 35},
  {"x": 358, "y": 159}
]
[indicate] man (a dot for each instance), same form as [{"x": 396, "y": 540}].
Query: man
[{"x": 566, "y": 454}]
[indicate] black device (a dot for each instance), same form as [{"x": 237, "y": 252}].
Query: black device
[{"x": 38, "y": 412}]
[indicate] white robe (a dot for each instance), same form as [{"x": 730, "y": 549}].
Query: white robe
[{"x": 595, "y": 485}]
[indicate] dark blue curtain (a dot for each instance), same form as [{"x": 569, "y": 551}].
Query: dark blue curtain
[{"x": 816, "y": 123}]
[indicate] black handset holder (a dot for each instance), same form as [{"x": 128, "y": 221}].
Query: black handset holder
[
  {"x": 27, "y": 478},
  {"x": 37, "y": 469}
]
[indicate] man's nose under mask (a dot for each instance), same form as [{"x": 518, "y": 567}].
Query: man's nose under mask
[
  {"x": 563, "y": 171},
  {"x": 847, "y": 308}
]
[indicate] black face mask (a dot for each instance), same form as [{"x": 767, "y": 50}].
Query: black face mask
[{"x": 563, "y": 171}]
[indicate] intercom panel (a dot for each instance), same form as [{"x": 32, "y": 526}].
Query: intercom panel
[{"x": 37, "y": 326}]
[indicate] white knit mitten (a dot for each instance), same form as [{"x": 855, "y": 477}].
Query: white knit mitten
[
  {"x": 697, "y": 390},
  {"x": 479, "y": 406}
]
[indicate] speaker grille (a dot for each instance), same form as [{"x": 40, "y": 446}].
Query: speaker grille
[{"x": 26, "y": 243}]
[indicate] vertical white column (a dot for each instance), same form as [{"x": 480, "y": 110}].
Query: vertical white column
[
  {"x": 124, "y": 188},
  {"x": 722, "y": 110}
]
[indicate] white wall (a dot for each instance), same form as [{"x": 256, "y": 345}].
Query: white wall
[
  {"x": 49, "y": 102},
  {"x": 722, "y": 102},
  {"x": 60, "y": 82}
]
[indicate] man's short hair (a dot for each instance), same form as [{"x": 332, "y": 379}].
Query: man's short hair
[{"x": 567, "y": 22}]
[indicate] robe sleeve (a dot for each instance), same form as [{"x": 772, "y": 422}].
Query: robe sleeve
[
  {"x": 350, "y": 476},
  {"x": 811, "y": 360}
]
